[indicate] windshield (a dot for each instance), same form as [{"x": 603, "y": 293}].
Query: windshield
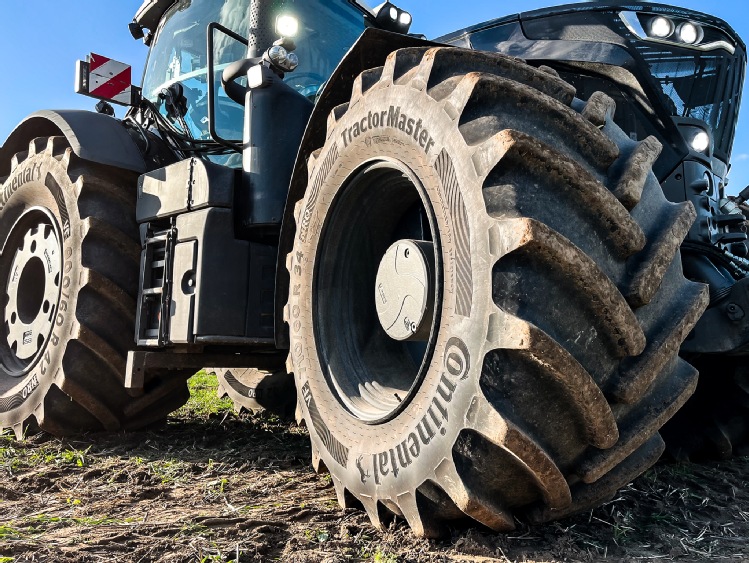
[
  {"x": 178, "y": 54},
  {"x": 700, "y": 85}
]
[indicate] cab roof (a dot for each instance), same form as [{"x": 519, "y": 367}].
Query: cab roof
[{"x": 606, "y": 6}]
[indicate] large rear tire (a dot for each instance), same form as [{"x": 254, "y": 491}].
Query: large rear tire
[
  {"x": 69, "y": 277},
  {"x": 537, "y": 381}
]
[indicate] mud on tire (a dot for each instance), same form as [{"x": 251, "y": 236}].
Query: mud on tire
[
  {"x": 551, "y": 361},
  {"x": 69, "y": 279}
]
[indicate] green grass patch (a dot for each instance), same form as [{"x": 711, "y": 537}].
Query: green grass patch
[
  {"x": 204, "y": 400},
  {"x": 16, "y": 456}
]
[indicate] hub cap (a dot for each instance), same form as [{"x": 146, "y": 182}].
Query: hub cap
[
  {"x": 32, "y": 289},
  {"x": 404, "y": 294}
]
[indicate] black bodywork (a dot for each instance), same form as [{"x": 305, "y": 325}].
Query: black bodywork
[{"x": 667, "y": 90}]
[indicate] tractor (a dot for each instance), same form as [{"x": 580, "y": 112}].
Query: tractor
[{"x": 493, "y": 263}]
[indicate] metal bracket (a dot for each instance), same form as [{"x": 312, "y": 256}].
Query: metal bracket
[{"x": 141, "y": 364}]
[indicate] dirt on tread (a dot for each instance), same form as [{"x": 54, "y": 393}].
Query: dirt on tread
[{"x": 567, "y": 365}]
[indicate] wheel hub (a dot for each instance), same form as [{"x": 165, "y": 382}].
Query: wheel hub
[
  {"x": 32, "y": 290},
  {"x": 404, "y": 290}
]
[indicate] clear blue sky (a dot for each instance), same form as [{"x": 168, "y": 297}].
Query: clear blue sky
[{"x": 41, "y": 40}]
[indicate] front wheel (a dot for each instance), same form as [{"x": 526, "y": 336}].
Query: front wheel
[
  {"x": 486, "y": 298},
  {"x": 69, "y": 279}
]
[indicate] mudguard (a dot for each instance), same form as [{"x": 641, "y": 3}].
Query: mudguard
[
  {"x": 92, "y": 136},
  {"x": 370, "y": 51}
]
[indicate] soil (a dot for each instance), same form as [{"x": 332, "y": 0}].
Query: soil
[{"x": 228, "y": 487}]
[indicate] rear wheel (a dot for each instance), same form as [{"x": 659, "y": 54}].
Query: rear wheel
[
  {"x": 486, "y": 297},
  {"x": 69, "y": 278},
  {"x": 255, "y": 390}
]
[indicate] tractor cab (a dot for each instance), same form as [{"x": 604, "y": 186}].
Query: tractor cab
[{"x": 179, "y": 54}]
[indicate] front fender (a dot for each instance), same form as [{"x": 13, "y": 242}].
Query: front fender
[
  {"x": 370, "y": 51},
  {"x": 92, "y": 136}
]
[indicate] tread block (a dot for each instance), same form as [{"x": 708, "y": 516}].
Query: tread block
[
  {"x": 588, "y": 496},
  {"x": 474, "y": 503},
  {"x": 515, "y": 150},
  {"x": 543, "y": 358},
  {"x": 638, "y": 167},
  {"x": 442, "y": 63},
  {"x": 637, "y": 374},
  {"x": 618, "y": 324},
  {"x": 668, "y": 394},
  {"x": 489, "y": 104},
  {"x": 599, "y": 109},
  {"x": 658, "y": 255}
]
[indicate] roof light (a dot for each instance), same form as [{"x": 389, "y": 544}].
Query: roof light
[
  {"x": 689, "y": 33},
  {"x": 287, "y": 25},
  {"x": 389, "y": 17},
  {"x": 661, "y": 27}
]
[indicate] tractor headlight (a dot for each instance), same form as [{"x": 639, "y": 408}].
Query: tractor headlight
[
  {"x": 700, "y": 141},
  {"x": 287, "y": 25},
  {"x": 391, "y": 18},
  {"x": 282, "y": 58},
  {"x": 661, "y": 27},
  {"x": 677, "y": 30},
  {"x": 690, "y": 33}
]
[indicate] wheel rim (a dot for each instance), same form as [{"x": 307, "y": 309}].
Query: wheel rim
[
  {"x": 373, "y": 375},
  {"x": 31, "y": 285}
]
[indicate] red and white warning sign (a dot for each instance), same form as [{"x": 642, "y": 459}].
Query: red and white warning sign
[{"x": 104, "y": 78}]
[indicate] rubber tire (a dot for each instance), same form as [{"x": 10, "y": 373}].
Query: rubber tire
[
  {"x": 563, "y": 306},
  {"x": 258, "y": 390},
  {"x": 78, "y": 382}
]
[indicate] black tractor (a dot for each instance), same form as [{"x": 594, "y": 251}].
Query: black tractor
[{"x": 479, "y": 257}]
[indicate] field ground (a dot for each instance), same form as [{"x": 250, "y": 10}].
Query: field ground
[{"x": 212, "y": 485}]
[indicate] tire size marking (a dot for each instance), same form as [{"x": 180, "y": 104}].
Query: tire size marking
[
  {"x": 457, "y": 362},
  {"x": 31, "y": 173},
  {"x": 393, "y": 118},
  {"x": 32, "y": 384},
  {"x": 62, "y": 308}
]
